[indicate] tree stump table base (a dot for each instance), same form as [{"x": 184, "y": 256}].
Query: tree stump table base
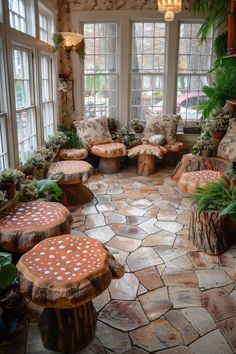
[
  {"x": 75, "y": 193},
  {"x": 109, "y": 165},
  {"x": 146, "y": 165},
  {"x": 211, "y": 232},
  {"x": 73, "y": 328}
]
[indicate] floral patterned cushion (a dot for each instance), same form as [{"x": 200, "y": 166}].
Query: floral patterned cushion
[
  {"x": 92, "y": 131},
  {"x": 166, "y": 125},
  {"x": 227, "y": 146}
]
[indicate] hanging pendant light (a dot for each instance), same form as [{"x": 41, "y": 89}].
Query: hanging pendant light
[{"x": 169, "y": 7}]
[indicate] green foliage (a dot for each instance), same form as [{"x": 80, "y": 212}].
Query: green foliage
[
  {"x": 48, "y": 189},
  {"x": 217, "y": 122},
  {"x": 230, "y": 210},
  {"x": 137, "y": 125},
  {"x": 203, "y": 142},
  {"x": 34, "y": 160},
  {"x": 11, "y": 175},
  {"x": 224, "y": 87},
  {"x": 29, "y": 192},
  {"x": 3, "y": 198},
  {"x": 216, "y": 15},
  {"x": 73, "y": 141},
  {"x": 57, "y": 39},
  {"x": 214, "y": 196},
  {"x": 80, "y": 50},
  {"x": 57, "y": 141},
  {"x": 8, "y": 270}
]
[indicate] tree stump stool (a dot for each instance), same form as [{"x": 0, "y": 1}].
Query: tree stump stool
[
  {"x": 73, "y": 154},
  {"x": 64, "y": 274},
  {"x": 110, "y": 155},
  {"x": 146, "y": 154},
  {"x": 211, "y": 232},
  {"x": 75, "y": 174},
  {"x": 26, "y": 224},
  {"x": 190, "y": 180}
]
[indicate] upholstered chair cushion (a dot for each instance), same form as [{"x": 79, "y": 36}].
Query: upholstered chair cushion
[
  {"x": 227, "y": 146},
  {"x": 165, "y": 125},
  {"x": 157, "y": 139},
  {"x": 92, "y": 131}
]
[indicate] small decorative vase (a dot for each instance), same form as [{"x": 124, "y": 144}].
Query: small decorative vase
[{"x": 205, "y": 153}]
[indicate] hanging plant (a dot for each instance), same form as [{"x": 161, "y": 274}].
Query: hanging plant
[
  {"x": 58, "y": 40},
  {"x": 80, "y": 50}
]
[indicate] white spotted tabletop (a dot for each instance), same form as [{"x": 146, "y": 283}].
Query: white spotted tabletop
[
  {"x": 34, "y": 215},
  {"x": 63, "y": 262},
  {"x": 72, "y": 169}
]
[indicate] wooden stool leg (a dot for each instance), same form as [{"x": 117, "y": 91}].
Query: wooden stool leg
[
  {"x": 75, "y": 194},
  {"x": 68, "y": 330},
  {"x": 146, "y": 165},
  {"x": 109, "y": 165}
]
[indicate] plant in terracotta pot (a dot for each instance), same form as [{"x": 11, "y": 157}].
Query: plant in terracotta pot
[
  {"x": 9, "y": 179},
  {"x": 128, "y": 137},
  {"x": 57, "y": 141},
  {"x": 137, "y": 125},
  {"x": 203, "y": 146},
  {"x": 12, "y": 302},
  {"x": 35, "y": 165},
  {"x": 218, "y": 123}
]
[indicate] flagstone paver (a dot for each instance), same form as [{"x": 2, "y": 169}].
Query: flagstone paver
[{"x": 172, "y": 299}]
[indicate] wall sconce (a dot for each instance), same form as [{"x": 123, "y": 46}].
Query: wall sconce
[{"x": 169, "y": 8}]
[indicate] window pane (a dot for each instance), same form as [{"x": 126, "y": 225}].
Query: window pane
[
  {"x": 17, "y": 10},
  {"x": 100, "y": 70},
  {"x": 46, "y": 24},
  {"x": 26, "y": 129},
  {"x": 147, "y": 68},
  {"x": 194, "y": 63}
]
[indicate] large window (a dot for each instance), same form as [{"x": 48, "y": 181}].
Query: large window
[
  {"x": 194, "y": 62},
  {"x": 22, "y": 15},
  {"x": 46, "y": 24},
  {"x": 147, "y": 68},
  {"x": 24, "y": 99},
  {"x": 3, "y": 115},
  {"x": 100, "y": 70},
  {"x": 47, "y": 96}
]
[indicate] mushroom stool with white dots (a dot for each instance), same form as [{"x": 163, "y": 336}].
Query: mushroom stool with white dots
[
  {"x": 75, "y": 174},
  {"x": 64, "y": 274},
  {"x": 190, "y": 180},
  {"x": 26, "y": 224}
]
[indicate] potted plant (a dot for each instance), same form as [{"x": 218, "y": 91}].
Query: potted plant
[
  {"x": 3, "y": 198},
  {"x": 73, "y": 140},
  {"x": 9, "y": 178},
  {"x": 57, "y": 141},
  {"x": 137, "y": 125},
  {"x": 218, "y": 123},
  {"x": 203, "y": 146},
  {"x": 213, "y": 223},
  {"x": 35, "y": 165},
  {"x": 12, "y": 302},
  {"x": 128, "y": 137}
]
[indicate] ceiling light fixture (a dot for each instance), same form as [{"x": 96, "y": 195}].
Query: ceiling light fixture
[{"x": 169, "y": 8}]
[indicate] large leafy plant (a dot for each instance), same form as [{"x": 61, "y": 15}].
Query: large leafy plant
[
  {"x": 216, "y": 196},
  {"x": 8, "y": 270}
]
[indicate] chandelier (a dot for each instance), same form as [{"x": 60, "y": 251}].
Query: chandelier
[{"x": 169, "y": 8}]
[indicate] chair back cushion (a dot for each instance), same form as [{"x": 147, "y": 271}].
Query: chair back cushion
[
  {"x": 227, "y": 146},
  {"x": 165, "y": 125},
  {"x": 93, "y": 131}
]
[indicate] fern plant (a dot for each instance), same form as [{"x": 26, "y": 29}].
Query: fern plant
[
  {"x": 216, "y": 14},
  {"x": 216, "y": 196},
  {"x": 224, "y": 87}
]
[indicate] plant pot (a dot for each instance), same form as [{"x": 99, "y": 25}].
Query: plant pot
[
  {"x": 138, "y": 130},
  {"x": 10, "y": 189},
  {"x": 217, "y": 135},
  {"x": 206, "y": 152}
]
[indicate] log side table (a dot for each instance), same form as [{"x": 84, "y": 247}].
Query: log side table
[
  {"x": 75, "y": 174},
  {"x": 64, "y": 274},
  {"x": 110, "y": 155},
  {"x": 26, "y": 224}
]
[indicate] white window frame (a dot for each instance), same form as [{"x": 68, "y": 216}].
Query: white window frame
[
  {"x": 30, "y": 25},
  {"x": 124, "y": 19},
  {"x": 49, "y": 103},
  {"x": 29, "y": 110},
  {"x": 190, "y": 74},
  {"x": 49, "y": 16},
  {"x": 4, "y": 156}
]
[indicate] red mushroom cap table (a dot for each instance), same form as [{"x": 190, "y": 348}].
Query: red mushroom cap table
[
  {"x": 64, "y": 274},
  {"x": 26, "y": 224},
  {"x": 75, "y": 174}
]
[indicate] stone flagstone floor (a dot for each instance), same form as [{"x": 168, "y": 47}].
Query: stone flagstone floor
[{"x": 172, "y": 298}]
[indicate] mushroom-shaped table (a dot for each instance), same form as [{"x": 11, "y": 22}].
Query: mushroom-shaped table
[
  {"x": 73, "y": 154},
  {"x": 26, "y": 224},
  {"x": 110, "y": 155},
  {"x": 75, "y": 174},
  {"x": 64, "y": 274}
]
